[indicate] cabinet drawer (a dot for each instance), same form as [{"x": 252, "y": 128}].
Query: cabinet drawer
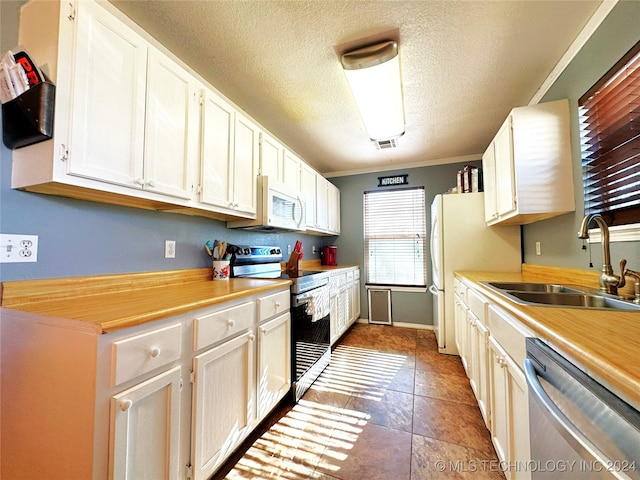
[
  {"x": 461, "y": 289},
  {"x": 273, "y": 305},
  {"x": 509, "y": 333},
  {"x": 142, "y": 353},
  {"x": 213, "y": 327},
  {"x": 476, "y": 304}
]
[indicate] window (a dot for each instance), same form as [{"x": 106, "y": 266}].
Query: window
[
  {"x": 395, "y": 237},
  {"x": 610, "y": 131}
]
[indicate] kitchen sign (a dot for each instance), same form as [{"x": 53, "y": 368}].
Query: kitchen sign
[{"x": 393, "y": 180}]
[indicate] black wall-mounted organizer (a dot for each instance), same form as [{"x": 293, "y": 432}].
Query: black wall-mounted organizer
[{"x": 28, "y": 118}]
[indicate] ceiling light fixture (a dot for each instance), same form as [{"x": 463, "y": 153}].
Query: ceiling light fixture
[{"x": 373, "y": 73}]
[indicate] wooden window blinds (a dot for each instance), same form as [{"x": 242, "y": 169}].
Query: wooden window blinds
[{"x": 610, "y": 136}]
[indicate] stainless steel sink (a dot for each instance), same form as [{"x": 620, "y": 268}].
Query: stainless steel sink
[
  {"x": 551, "y": 294},
  {"x": 534, "y": 287},
  {"x": 585, "y": 300}
]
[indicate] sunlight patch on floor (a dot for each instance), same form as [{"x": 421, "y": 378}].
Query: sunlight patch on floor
[{"x": 312, "y": 433}]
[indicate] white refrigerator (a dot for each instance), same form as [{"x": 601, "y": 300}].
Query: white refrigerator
[{"x": 461, "y": 240}]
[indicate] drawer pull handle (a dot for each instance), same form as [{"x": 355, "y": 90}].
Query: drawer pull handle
[
  {"x": 231, "y": 323},
  {"x": 277, "y": 304},
  {"x": 154, "y": 352},
  {"x": 125, "y": 405}
]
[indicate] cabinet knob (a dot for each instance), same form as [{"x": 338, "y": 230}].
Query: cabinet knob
[
  {"x": 140, "y": 181},
  {"x": 125, "y": 405},
  {"x": 151, "y": 184},
  {"x": 264, "y": 331},
  {"x": 231, "y": 323},
  {"x": 277, "y": 304},
  {"x": 252, "y": 337},
  {"x": 154, "y": 352}
]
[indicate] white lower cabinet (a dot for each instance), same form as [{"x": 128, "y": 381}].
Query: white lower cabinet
[
  {"x": 344, "y": 286},
  {"x": 145, "y": 429},
  {"x": 168, "y": 399},
  {"x": 223, "y": 402},
  {"x": 492, "y": 348},
  {"x": 274, "y": 368}
]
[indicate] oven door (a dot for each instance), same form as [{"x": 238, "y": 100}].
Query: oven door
[{"x": 311, "y": 336}]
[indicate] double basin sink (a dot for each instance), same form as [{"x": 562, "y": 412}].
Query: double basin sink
[{"x": 549, "y": 294}]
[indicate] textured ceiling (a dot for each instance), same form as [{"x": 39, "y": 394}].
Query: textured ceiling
[{"x": 464, "y": 64}]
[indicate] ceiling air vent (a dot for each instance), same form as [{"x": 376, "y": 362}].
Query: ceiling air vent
[{"x": 384, "y": 144}]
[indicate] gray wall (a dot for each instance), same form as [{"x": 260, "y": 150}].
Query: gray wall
[
  {"x": 407, "y": 307},
  {"x": 558, "y": 236},
  {"x": 85, "y": 238}
]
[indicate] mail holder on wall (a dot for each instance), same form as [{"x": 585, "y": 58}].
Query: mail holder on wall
[{"x": 28, "y": 118}]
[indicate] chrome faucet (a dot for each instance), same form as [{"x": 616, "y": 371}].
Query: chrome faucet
[
  {"x": 609, "y": 282},
  {"x": 636, "y": 277}
]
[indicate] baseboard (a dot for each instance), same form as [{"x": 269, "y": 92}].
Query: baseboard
[{"x": 418, "y": 326}]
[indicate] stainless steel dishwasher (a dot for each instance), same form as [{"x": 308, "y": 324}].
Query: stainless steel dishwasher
[{"x": 579, "y": 429}]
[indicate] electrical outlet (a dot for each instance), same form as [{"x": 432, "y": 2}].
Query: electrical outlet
[
  {"x": 314, "y": 249},
  {"x": 170, "y": 249},
  {"x": 18, "y": 248},
  {"x": 288, "y": 249},
  {"x": 537, "y": 248}
]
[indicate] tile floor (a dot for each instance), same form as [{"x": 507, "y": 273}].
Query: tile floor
[{"x": 388, "y": 407}]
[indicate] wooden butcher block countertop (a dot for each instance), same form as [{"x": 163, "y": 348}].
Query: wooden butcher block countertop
[
  {"x": 113, "y": 302},
  {"x": 604, "y": 343}
]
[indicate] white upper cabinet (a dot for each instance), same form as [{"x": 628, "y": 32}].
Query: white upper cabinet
[
  {"x": 308, "y": 189},
  {"x": 333, "y": 208},
  {"x": 291, "y": 170},
  {"x": 245, "y": 167},
  {"x": 126, "y": 116},
  {"x": 171, "y": 127},
  {"x": 271, "y": 156},
  {"x": 527, "y": 167},
  {"x": 229, "y": 158},
  {"x": 216, "y": 169},
  {"x": 135, "y": 126},
  {"x": 108, "y": 99}
]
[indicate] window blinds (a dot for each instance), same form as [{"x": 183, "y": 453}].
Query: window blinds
[
  {"x": 395, "y": 237},
  {"x": 610, "y": 135}
]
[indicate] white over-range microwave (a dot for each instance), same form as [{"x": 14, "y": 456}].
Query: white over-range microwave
[{"x": 280, "y": 208}]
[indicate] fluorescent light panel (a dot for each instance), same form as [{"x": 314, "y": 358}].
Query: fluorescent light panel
[{"x": 373, "y": 74}]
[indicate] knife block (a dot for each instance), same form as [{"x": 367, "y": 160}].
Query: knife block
[{"x": 293, "y": 266}]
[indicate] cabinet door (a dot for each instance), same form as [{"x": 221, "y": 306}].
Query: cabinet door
[
  {"x": 274, "y": 363},
  {"x": 308, "y": 188},
  {"x": 291, "y": 170},
  {"x": 482, "y": 372},
  {"x": 499, "y": 400},
  {"x": 518, "y": 398},
  {"x": 335, "y": 327},
  {"x": 322, "y": 203},
  {"x": 170, "y": 119},
  {"x": 504, "y": 170},
  {"x": 245, "y": 165},
  {"x": 145, "y": 422},
  {"x": 223, "y": 402},
  {"x": 108, "y": 99},
  {"x": 460, "y": 322},
  {"x": 489, "y": 180},
  {"x": 333, "y": 208},
  {"x": 354, "y": 301},
  {"x": 271, "y": 157},
  {"x": 509, "y": 411},
  {"x": 217, "y": 152}
]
